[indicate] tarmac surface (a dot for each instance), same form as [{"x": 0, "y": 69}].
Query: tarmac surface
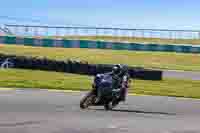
[
  {"x": 181, "y": 74},
  {"x": 41, "y": 111}
]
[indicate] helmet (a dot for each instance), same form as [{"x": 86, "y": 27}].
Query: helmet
[
  {"x": 117, "y": 69},
  {"x": 124, "y": 70}
]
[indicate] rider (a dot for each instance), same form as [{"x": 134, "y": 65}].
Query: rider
[{"x": 121, "y": 79}]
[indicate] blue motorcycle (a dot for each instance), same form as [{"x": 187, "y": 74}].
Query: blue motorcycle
[{"x": 102, "y": 93}]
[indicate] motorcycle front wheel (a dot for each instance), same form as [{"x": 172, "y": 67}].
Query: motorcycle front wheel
[{"x": 87, "y": 101}]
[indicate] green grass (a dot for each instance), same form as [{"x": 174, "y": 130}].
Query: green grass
[
  {"x": 132, "y": 39},
  {"x": 53, "y": 80},
  {"x": 157, "y": 60}
]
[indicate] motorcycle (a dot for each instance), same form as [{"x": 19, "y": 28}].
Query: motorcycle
[{"x": 102, "y": 93}]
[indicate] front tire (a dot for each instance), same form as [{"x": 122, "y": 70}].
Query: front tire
[{"x": 87, "y": 101}]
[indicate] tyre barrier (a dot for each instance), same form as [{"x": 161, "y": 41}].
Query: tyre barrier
[{"x": 76, "y": 67}]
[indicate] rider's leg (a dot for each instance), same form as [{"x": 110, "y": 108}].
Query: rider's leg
[{"x": 123, "y": 94}]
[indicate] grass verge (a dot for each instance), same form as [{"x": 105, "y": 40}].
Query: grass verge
[
  {"x": 52, "y": 80},
  {"x": 157, "y": 60}
]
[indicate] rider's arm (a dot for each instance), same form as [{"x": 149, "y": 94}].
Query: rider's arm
[{"x": 125, "y": 81}]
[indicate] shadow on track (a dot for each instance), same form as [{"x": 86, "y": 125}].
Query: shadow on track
[{"x": 136, "y": 111}]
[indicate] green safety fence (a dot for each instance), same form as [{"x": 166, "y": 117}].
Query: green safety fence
[{"x": 99, "y": 44}]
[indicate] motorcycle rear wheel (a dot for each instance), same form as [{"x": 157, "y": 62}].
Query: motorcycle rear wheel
[
  {"x": 111, "y": 105},
  {"x": 108, "y": 106}
]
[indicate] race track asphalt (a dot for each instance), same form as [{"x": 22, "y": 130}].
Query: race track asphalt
[
  {"x": 41, "y": 111},
  {"x": 181, "y": 74}
]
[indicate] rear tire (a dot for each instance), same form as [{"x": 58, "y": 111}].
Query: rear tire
[
  {"x": 111, "y": 105},
  {"x": 87, "y": 101},
  {"x": 108, "y": 106}
]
